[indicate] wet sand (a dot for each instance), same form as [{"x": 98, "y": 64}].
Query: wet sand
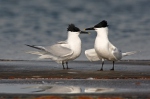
[
  {"x": 88, "y": 70},
  {"x": 73, "y": 74},
  {"x": 126, "y": 71}
]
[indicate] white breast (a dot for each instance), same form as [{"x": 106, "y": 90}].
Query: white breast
[
  {"x": 101, "y": 48},
  {"x": 102, "y": 44}
]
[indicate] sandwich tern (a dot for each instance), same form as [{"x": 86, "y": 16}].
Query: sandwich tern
[
  {"x": 103, "y": 48},
  {"x": 63, "y": 51}
]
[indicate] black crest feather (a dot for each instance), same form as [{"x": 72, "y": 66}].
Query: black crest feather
[
  {"x": 73, "y": 28},
  {"x": 101, "y": 24}
]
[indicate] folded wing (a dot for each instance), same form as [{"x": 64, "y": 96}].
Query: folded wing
[{"x": 55, "y": 52}]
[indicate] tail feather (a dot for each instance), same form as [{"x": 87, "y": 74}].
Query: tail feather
[
  {"x": 42, "y": 55},
  {"x": 35, "y": 52},
  {"x": 37, "y": 47},
  {"x": 45, "y": 57},
  {"x": 129, "y": 53},
  {"x": 56, "y": 59}
]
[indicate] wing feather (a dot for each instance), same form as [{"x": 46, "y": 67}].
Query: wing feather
[
  {"x": 56, "y": 50},
  {"x": 92, "y": 55}
]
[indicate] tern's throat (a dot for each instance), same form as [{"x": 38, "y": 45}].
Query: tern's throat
[
  {"x": 74, "y": 43},
  {"x": 102, "y": 32},
  {"x": 73, "y": 39}
]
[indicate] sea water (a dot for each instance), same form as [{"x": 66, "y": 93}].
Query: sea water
[{"x": 45, "y": 22}]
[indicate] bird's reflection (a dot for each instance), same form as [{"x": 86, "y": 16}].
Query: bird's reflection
[{"x": 67, "y": 89}]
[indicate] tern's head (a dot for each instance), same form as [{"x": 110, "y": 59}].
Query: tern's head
[
  {"x": 72, "y": 28},
  {"x": 102, "y": 24}
]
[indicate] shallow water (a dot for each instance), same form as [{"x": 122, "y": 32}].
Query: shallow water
[
  {"x": 44, "y": 22},
  {"x": 74, "y": 86}
]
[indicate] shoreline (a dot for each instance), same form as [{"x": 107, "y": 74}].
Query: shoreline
[{"x": 130, "y": 61}]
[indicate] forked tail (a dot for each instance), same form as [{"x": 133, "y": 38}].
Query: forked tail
[{"x": 43, "y": 53}]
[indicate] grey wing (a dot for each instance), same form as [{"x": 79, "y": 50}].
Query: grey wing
[
  {"x": 59, "y": 50},
  {"x": 62, "y": 42},
  {"x": 117, "y": 54}
]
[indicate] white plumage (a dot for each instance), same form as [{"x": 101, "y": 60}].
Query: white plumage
[
  {"x": 103, "y": 48},
  {"x": 63, "y": 51}
]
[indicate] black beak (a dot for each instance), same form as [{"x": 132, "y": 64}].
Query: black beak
[
  {"x": 92, "y": 28},
  {"x": 84, "y": 32}
]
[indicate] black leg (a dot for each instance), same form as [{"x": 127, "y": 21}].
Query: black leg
[
  {"x": 63, "y": 65},
  {"x": 113, "y": 66},
  {"x": 67, "y": 65},
  {"x": 102, "y": 66}
]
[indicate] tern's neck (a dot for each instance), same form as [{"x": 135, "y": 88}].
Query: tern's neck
[
  {"x": 73, "y": 37},
  {"x": 102, "y": 32},
  {"x": 74, "y": 42}
]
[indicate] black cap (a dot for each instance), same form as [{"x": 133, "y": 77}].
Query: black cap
[
  {"x": 72, "y": 28},
  {"x": 101, "y": 24}
]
